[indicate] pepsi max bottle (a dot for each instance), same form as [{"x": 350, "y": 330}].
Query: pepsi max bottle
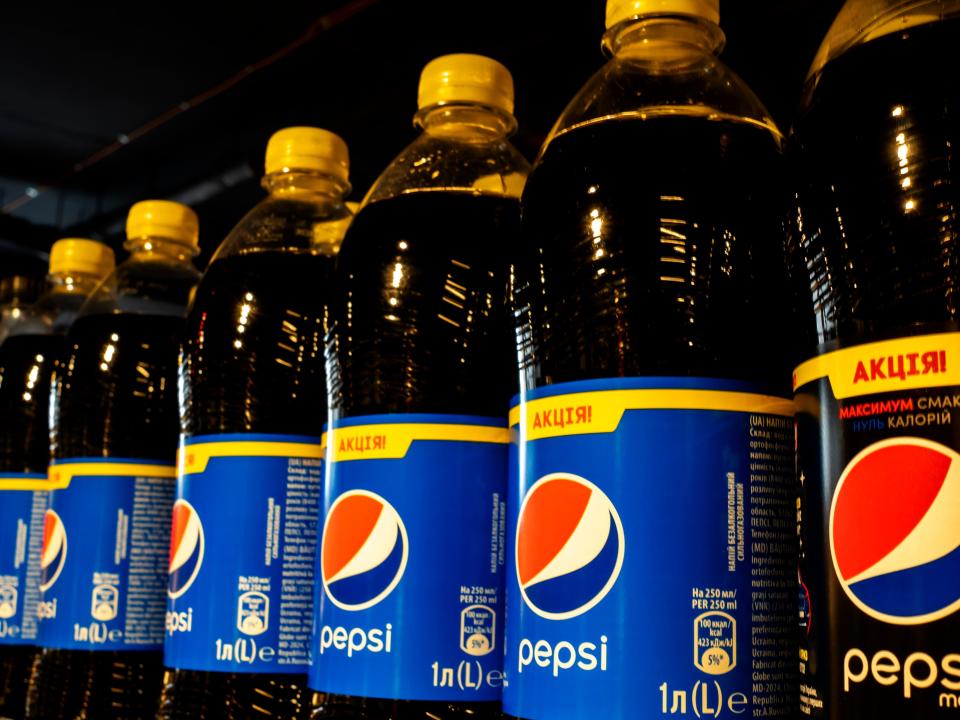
[
  {"x": 651, "y": 569},
  {"x": 252, "y": 412},
  {"x": 409, "y": 603},
  {"x": 103, "y": 564},
  {"x": 874, "y": 249}
]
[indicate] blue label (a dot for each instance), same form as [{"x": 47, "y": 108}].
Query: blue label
[
  {"x": 103, "y": 563},
  {"x": 242, "y": 554},
  {"x": 651, "y": 569},
  {"x": 410, "y": 600},
  {"x": 21, "y": 534}
]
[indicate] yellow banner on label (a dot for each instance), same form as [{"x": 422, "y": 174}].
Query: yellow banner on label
[
  {"x": 600, "y": 411},
  {"x": 15, "y": 481},
  {"x": 910, "y": 363},
  {"x": 392, "y": 441},
  {"x": 194, "y": 458},
  {"x": 61, "y": 474}
]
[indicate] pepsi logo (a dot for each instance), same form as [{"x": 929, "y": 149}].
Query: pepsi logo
[
  {"x": 363, "y": 552},
  {"x": 806, "y": 613},
  {"x": 895, "y": 531},
  {"x": 186, "y": 548},
  {"x": 54, "y": 552},
  {"x": 569, "y": 546}
]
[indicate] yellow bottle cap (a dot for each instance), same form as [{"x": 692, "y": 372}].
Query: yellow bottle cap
[
  {"x": 308, "y": 148},
  {"x": 620, "y": 10},
  {"x": 466, "y": 79},
  {"x": 80, "y": 255},
  {"x": 163, "y": 219}
]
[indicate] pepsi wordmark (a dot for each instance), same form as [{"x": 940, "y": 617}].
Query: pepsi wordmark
[
  {"x": 564, "y": 578},
  {"x": 364, "y": 553},
  {"x": 904, "y": 571}
]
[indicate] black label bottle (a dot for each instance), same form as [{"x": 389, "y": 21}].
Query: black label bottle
[{"x": 874, "y": 255}]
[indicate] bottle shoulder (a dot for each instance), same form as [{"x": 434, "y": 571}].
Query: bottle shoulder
[
  {"x": 466, "y": 163},
  {"x": 862, "y": 21},
  {"x": 626, "y": 87},
  {"x": 51, "y": 314},
  {"x": 153, "y": 285},
  {"x": 28, "y": 321},
  {"x": 285, "y": 223}
]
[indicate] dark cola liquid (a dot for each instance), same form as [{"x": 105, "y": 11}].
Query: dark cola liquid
[
  {"x": 128, "y": 409},
  {"x": 124, "y": 409},
  {"x": 653, "y": 247},
  {"x": 15, "y": 667},
  {"x": 420, "y": 326},
  {"x": 875, "y": 248},
  {"x": 272, "y": 383},
  {"x": 27, "y": 363},
  {"x": 874, "y": 239},
  {"x": 420, "y": 319}
]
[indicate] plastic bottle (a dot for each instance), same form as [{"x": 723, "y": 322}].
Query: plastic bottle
[
  {"x": 651, "y": 500},
  {"x": 409, "y": 579},
  {"x": 32, "y": 350},
  {"x": 252, "y": 410},
  {"x": 17, "y": 292},
  {"x": 114, "y": 428},
  {"x": 874, "y": 253}
]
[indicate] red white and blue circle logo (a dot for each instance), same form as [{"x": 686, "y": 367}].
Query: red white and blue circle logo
[
  {"x": 569, "y": 546},
  {"x": 895, "y": 531},
  {"x": 54, "y": 552},
  {"x": 186, "y": 548},
  {"x": 363, "y": 551}
]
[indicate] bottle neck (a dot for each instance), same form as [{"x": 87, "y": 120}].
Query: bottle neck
[
  {"x": 664, "y": 40},
  {"x": 308, "y": 186},
  {"x": 465, "y": 122},
  {"x": 72, "y": 283},
  {"x": 158, "y": 248}
]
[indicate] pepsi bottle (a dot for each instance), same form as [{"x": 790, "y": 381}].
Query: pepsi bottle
[
  {"x": 874, "y": 249},
  {"x": 252, "y": 411},
  {"x": 18, "y": 291},
  {"x": 651, "y": 563},
  {"x": 409, "y": 593},
  {"x": 114, "y": 426},
  {"x": 30, "y": 354}
]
